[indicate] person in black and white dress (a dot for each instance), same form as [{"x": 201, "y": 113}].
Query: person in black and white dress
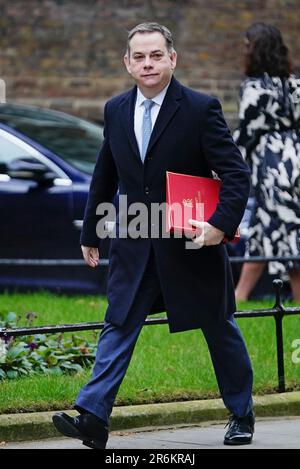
[{"x": 269, "y": 138}]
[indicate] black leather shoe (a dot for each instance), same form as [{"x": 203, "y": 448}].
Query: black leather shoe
[
  {"x": 85, "y": 427},
  {"x": 240, "y": 431}
]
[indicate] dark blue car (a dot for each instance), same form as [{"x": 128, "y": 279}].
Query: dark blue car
[{"x": 46, "y": 161}]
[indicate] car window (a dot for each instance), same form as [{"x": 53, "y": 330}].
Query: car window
[
  {"x": 13, "y": 150},
  {"x": 73, "y": 139}
]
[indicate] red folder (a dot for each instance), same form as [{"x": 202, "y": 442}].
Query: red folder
[{"x": 191, "y": 197}]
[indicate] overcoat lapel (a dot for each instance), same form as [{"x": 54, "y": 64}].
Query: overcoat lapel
[
  {"x": 127, "y": 119},
  {"x": 169, "y": 107}
]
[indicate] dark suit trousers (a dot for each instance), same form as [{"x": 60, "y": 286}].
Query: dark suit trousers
[{"x": 116, "y": 344}]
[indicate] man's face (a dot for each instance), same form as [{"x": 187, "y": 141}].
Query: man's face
[{"x": 149, "y": 62}]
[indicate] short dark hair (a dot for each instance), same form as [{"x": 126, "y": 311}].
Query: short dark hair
[
  {"x": 151, "y": 28},
  {"x": 266, "y": 52}
]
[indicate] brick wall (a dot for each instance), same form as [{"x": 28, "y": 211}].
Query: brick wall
[{"x": 68, "y": 54}]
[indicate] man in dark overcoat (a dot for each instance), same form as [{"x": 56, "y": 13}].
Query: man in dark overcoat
[{"x": 159, "y": 126}]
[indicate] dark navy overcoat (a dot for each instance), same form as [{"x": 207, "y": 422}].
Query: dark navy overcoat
[{"x": 190, "y": 136}]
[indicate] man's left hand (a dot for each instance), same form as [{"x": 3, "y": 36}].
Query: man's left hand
[{"x": 209, "y": 235}]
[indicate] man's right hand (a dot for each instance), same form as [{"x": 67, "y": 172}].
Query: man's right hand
[{"x": 90, "y": 255}]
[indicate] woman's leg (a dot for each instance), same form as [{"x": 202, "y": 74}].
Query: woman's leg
[
  {"x": 251, "y": 272},
  {"x": 295, "y": 283}
]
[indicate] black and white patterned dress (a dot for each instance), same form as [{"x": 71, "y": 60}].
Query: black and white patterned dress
[{"x": 269, "y": 139}]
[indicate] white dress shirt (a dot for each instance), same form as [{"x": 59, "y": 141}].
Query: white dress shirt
[{"x": 139, "y": 112}]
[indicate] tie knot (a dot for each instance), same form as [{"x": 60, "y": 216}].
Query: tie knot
[{"x": 148, "y": 103}]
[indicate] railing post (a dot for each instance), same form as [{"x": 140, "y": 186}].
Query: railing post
[
  {"x": 3, "y": 333},
  {"x": 278, "y": 316}
]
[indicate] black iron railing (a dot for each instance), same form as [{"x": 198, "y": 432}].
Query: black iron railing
[
  {"x": 105, "y": 262},
  {"x": 278, "y": 312}
]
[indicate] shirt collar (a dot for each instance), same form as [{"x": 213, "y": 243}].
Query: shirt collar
[{"x": 158, "y": 99}]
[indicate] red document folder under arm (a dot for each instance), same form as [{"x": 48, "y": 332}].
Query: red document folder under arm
[{"x": 191, "y": 197}]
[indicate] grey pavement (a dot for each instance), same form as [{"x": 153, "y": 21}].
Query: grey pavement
[
  {"x": 271, "y": 433},
  {"x": 168, "y": 425}
]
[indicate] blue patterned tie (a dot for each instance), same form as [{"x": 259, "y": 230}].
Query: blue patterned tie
[{"x": 146, "y": 127}]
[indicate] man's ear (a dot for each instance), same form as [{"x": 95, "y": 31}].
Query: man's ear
[
  {"x": 127, "y": 63},
  {"x": 173, "y": 57}
]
